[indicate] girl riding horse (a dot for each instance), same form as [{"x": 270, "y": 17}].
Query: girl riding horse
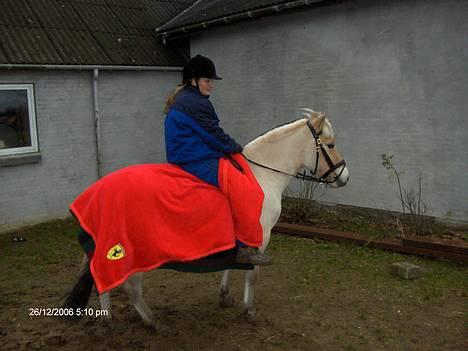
[{"x": 196, "y": 142}]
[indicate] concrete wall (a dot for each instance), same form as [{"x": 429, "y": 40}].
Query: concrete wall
[
  {"x": 131, "y": 105},
  {"x": 392, "y": 76}
]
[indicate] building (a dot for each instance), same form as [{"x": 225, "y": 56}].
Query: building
[
  {"x": 391, "y": 74},
  {"x": 94, "y": 74},
  {"x": 82, "y": 88}
]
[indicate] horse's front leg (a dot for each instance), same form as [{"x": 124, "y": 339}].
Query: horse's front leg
[
  {"x": 270, "y": 214},
  {"x": 250, "y": 280},
  {"x": 225, "y": 298}
]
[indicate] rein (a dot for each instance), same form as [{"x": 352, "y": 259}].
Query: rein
[{"x": 303, "y": 176}]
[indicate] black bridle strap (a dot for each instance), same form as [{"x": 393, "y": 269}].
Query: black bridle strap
[
  {"x": 318, "y": 144},
  {"x": 334, "y": 168},
  {"x": 301, "y": 176},
  {"x": 269, "y": 168}
]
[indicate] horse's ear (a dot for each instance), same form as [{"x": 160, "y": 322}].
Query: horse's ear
[{"x": 318, "y": 120}]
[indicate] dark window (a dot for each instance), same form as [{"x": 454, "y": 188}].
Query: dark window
[{"x": 17, "y": 119}]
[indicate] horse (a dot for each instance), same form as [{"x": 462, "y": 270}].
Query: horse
[{"x": 276, "y": 157}]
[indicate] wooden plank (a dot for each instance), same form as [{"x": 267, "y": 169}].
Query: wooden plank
[
  {"x": 319, "y": 233},
  {"x": 457, "y": 246},
  {"x": 401, "y": 248},
  {"x": 357, "y": 239}
]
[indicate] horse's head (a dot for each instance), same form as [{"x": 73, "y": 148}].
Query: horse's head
[{"x": 325, "y": 162}]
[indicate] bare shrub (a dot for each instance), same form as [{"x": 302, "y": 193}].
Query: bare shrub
[
  {"x": 300, "y": 197},
  {"x": 415, "y": 211}
]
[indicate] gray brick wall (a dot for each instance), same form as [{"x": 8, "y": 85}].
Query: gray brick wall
[
  {"x": 132, "y": 117},
  {"x": 392, "y": 76},
  {"x": 131, "y": 104}
]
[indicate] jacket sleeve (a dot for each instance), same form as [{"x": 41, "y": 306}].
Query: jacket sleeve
[{"x": 210, "y": 131}]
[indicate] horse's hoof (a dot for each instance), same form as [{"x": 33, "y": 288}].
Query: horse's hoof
[
  {"x": 107, "y": 318},
  {"x": 227, "y": 301},
  {"x": 107, "y": 323},
  {"x": 152, "y": 327},
  {"x": 250, "y": 314}
]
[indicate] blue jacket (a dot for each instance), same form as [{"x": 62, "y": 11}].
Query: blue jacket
[{"x": 194, "y": 139}]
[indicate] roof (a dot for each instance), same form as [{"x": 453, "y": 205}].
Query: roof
[
  {"x": 87, "y": 32},
  {"x": 207, "y": 13}
]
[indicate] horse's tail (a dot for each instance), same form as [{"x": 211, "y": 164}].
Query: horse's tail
[{"x": 79, "y": 295}]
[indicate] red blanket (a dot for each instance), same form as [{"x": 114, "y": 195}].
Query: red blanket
[{"x": 143, "y": 216}]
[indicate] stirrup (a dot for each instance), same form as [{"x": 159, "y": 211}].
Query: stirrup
[{"x": 252, "y": 256}]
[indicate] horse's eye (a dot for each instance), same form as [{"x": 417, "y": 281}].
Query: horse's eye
[{"x": 331, "y": 146}]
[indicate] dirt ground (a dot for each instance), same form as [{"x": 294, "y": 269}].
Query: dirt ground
[{"x": 318, "y": 296}]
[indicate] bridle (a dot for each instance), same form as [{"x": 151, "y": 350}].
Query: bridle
[{"x": 312, "y": 178}]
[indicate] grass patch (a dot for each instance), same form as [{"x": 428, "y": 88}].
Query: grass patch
[
  {"x": 343, "y": 264},
  {"x": 49, "y": 248}
]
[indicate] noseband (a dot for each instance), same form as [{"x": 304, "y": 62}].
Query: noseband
[{"x": 312, "y": 178}]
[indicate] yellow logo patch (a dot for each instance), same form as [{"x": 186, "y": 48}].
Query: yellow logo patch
[{"x": 116, "y": 252}]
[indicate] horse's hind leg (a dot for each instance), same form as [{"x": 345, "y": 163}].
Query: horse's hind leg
[
  {"x": 134, "y": 289},
  {"x": 250, "y": 280},
  {"x": 104, "y": 299},
  {"x": 225, "y": 298}
]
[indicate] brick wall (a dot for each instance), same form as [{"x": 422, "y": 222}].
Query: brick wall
[
  {"x": 391, "y": 75},
  {"x": 130, "y": 103}
]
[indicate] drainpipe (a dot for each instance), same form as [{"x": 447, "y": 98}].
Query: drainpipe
[{"x": 97, "y": 123}]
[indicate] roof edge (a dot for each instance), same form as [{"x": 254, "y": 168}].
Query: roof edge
[
  {"x": 9, "y": 66},
  {"x": 179, "y": 15},
  {"x": 230, "y": 18}
]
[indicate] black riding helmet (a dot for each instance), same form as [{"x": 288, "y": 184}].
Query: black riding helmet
[{"x": 199, "y": 67}]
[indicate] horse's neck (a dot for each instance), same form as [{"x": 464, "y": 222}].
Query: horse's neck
[{"x": 283, "y": 153}]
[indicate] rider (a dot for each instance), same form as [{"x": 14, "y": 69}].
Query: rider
[{"x": 194, "y": 139}]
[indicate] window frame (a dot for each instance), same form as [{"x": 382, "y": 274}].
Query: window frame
[{"x": 32, "y": 120}]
